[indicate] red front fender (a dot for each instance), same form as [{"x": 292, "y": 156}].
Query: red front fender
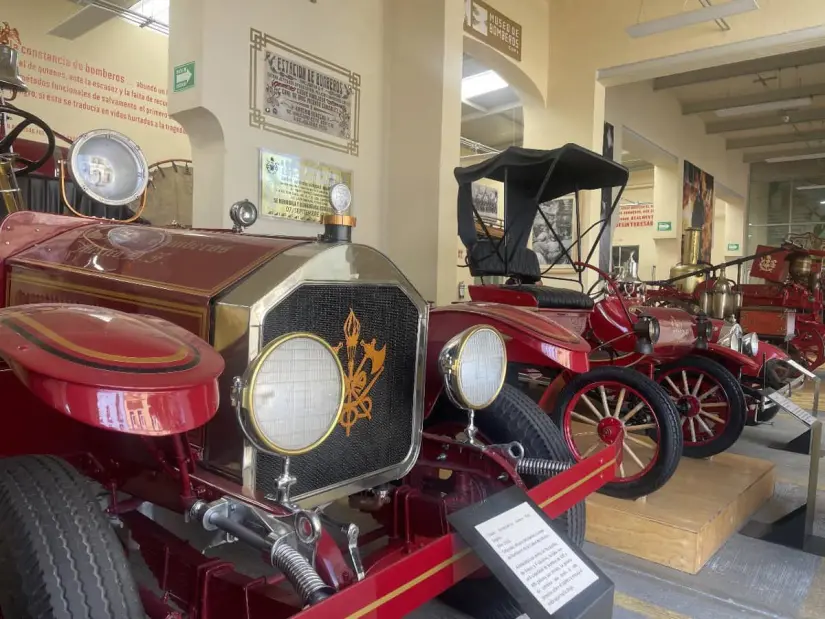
[
  {"x": 732, "y": 360},
  {"x": 532, "y": 339},
  {"x": 111, "y": 370}
]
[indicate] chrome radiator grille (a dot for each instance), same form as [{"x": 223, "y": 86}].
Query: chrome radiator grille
[{"x": 376, "y": 330}]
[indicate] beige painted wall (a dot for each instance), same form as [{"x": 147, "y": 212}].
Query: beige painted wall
[
  {"x": 226, "y": 147},
  {"x": 639, "y": 189},
  {"x": 113, "y": 77},
  {"x": 657, "y": 117},
  {"x": 408, "y": 54}
]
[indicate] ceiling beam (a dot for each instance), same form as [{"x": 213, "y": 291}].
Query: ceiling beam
[
  {"x": 768, "y": 96},
  {"x": 786, "y": 152},
  {"x": 773, "y": 119},
  {"x": 475, "y": 106},
  {"x": 737, "y": 69},
  {"x": 501, "y": 109},
  {"x": 776, "y": 138}
]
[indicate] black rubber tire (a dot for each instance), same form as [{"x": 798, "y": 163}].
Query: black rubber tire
[
  {"x": 670, "y": 446},
  {"x": 59, "y": 557},
  {"x": 513, "y": 416},
  {"x": 734, "y": 394}
]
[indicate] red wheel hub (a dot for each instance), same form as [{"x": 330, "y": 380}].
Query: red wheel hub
[
  {"x": 609, "y": 429},
  {"x": 688, "y": 405}
]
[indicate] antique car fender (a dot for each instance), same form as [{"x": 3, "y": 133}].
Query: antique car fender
[
  {"x": 128, "y": 373},
  {"x": 531, "y": 338},
  {"x": 733, "y": 360},
  {"x": 609, "y": 323}
]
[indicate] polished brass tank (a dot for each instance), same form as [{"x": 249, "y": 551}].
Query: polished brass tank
[
  {"x": 800, "y": 268},
  {"x": 722, "y": 298},
  {"x": 691, "y": 247}
]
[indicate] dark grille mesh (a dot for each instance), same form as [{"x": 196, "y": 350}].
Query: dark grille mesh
[{"x": 387, "y": 316}]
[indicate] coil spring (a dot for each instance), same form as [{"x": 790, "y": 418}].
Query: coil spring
[
  {"x": 300, "y": 573},
  {"x": 541, "y": 467}
]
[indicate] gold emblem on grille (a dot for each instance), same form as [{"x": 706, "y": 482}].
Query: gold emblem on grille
[{"x": 359, "y": 379}]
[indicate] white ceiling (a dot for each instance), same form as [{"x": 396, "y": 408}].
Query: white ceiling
[
  {"x": 494, "y": 119},
  {"x": 150, "y": 14},
  {"x": 793, "y": 84}
]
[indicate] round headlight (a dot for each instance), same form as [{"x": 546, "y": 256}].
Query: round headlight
[
  {"x": 108, "y": 167},
  {"x": 243, "y": 213},
  {"x": 750, "y": 344},
  {"x": 473, "y": 365},
  {"x": 340, "y": 198},
  {"x": 730, "y": 335},
  {"x": 293, "y": 395}
]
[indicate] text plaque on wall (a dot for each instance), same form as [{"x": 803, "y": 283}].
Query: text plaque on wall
[
  {"x": 302, "y": 96},
  {"x": 493, "y": 28},
  {"x": 296, "y": 188}
]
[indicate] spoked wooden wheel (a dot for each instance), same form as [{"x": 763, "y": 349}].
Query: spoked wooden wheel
[
  {"x": 809, "y": 348},
  {"x": 710, "y": 401},
  {"x": 594, "y": 407}
]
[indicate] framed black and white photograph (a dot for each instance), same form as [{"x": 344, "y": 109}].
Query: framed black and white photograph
[
  {"x": 485, "y": 199},
  {"x": 559, "y": 214}
]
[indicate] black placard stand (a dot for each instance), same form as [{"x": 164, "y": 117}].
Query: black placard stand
[
  {"x": 802, "y": 443},
  {"x": 796, "y": 528},
  {"x": 595, "y": 601}
]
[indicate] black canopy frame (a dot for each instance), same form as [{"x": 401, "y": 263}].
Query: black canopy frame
[{"x": 531, "y": 178}]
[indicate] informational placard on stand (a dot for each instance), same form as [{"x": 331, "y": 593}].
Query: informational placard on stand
[
  {"x": 534, "y": 560},
  {"x": 793, "y": 408}
]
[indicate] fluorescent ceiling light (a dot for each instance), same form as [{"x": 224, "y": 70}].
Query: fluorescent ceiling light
[
  {"x": 154, "y": 11},
  {"x": 771, "y": 106},
  {"x": 690, "y": 18},
  {"x": 795, "y": 158},
  {"x": 809, "y": 187},
  {"x": 481, "y": 83}
]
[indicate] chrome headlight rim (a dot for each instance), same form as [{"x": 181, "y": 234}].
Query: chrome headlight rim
[
  {"x": 750, "y": 344},
  {"x": 450, "y": 363},
  {"x": 246, "y": 411},
  {"x": 731, "y": 335}
]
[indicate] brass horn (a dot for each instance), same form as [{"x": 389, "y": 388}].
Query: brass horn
[{"x": 9, "y": 71}]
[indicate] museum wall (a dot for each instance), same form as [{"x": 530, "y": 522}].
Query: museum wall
[
  {"x": 658, "y": 118},
  {"x": 530, "y": 74},
  {"x": 217, "y": 108},
  {"x": 631, "y": 232},
  {"x": 114, "y": 76}
]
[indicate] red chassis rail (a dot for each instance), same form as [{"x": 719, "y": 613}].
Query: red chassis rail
[{"x": 390, "y": 591}]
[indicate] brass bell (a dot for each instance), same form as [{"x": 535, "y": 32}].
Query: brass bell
[{"x": 9, "y": 71}]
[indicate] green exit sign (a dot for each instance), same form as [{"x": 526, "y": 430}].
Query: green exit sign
[
  {"x": 184, "y": 77},
  {"x": 664, "y": 226},
  {"x": 733, "y": 246}
]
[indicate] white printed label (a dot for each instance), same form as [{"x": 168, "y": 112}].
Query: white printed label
[
  {"x": 544, "y": 563},
  {"x": 793, "y": 408}
]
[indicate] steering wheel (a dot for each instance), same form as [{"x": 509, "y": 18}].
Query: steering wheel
[{"x": 7, "y": 142}]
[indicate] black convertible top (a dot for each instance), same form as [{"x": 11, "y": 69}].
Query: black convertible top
[
  {"x": 532, "y": 177},
  {"x": 573, "y": 167}
]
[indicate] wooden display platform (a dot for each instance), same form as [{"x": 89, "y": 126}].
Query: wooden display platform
[{"x": 688, "y": 520}]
